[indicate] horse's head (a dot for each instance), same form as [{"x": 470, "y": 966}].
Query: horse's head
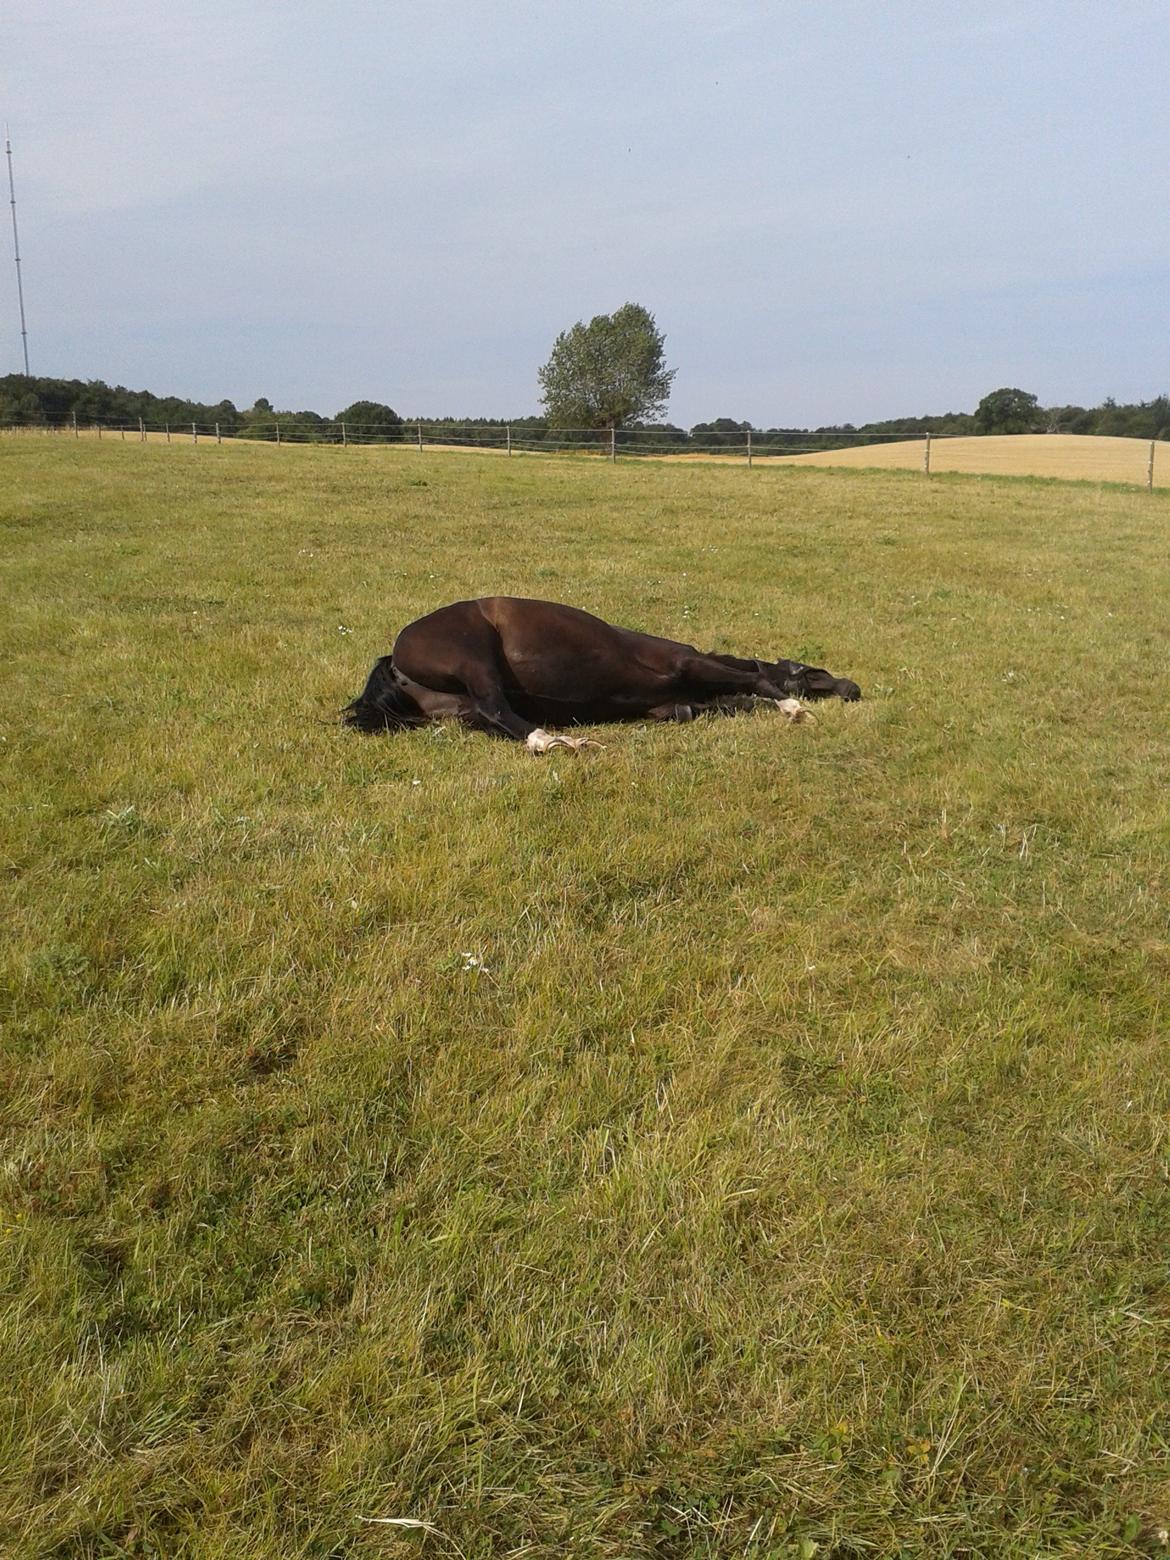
[
  {"x": 383, "y": 704},
  {"x": 813, "y": 682}
]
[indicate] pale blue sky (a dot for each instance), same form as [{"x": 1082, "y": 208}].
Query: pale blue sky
[{"x": 835, "y": 210}]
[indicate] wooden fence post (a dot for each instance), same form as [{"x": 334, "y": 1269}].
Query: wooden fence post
[
  {"x": 168, "y": 428},
  {"x": 141, "y": 431},
  {"x": 218, "y": 435},
  {"x": 123, "y": 433},
  {"x": 344, "y": 440},
  {"x": 612, "y": 443},
  {"x": 749, "y": 434},
  {"x": 194, "y": 434},
  {"x": 926, "y": 458},
  {"x": 509, "y": 438},
  {"x": 278, "y": 433},
  {"x": 420, "y": 437},
  {"x": 76, "y": 435},
  {"x": 98, "y": 426},
  {"x": 1150, "y": 468}
]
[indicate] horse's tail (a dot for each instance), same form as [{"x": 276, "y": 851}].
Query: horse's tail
[{"x": 383, "y": 704}]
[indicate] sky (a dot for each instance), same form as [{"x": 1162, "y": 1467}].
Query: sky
[{"x": 835, "y": 211}]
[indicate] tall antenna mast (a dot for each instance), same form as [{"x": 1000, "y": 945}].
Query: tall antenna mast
[{"x": 16, "y": 248}]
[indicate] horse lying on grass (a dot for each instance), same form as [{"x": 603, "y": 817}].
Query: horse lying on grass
[{"x": 510, "y": 666}]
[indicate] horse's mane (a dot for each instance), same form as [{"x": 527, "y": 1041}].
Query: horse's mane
[{"x": 383, "y": 704}]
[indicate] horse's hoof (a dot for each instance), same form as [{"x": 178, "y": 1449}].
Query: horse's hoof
[{"x": 539, "y": 741}]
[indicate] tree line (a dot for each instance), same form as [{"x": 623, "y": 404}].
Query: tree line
[
  {"x": 47, "y": 403},
  {"x": 44, "y": 402}
]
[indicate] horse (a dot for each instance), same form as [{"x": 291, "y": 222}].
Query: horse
[{"x": 513, "y": 667}]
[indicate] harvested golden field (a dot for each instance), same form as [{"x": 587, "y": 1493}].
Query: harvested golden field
[{"x": 1077, "y": 456}]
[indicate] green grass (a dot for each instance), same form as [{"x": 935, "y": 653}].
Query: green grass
[{"x": 793, "y": 1179}]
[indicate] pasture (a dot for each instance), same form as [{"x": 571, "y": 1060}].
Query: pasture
[{"x": 746, "y": 1140}]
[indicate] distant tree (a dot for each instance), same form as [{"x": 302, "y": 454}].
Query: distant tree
[
  {"x": 264, "y": 422},
  {"x": 657, "y": 434},
  {"x": 608, "y": 373},
  {"x": 371, "y": 420},
  {"x": 1068, "y": 419},
  {"x": 224, "y": 413},
  {"x": 1009, "y": 411},
  {"x": 19, "y": 402},
  {"x": 722, "y": 431},
  {"x": 58, "y": 401}
]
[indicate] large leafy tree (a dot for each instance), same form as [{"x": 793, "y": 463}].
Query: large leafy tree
[
  {"x": 371, "y": 420},
  {"x": 608, "y": 373},
  {"x": 1009, "y": 411}
]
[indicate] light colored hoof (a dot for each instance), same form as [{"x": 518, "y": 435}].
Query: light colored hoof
[
  {"x": 539, "y": 741},
  {"x": 793, "y": 711}
]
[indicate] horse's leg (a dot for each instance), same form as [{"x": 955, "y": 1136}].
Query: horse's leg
[
  {"x": 772, "y": 671},
  {"x": 717, "y": 681},
  {"x": 705, "y": 677},
  {"x": 488, "y": 710},
  {"x": 795, "y": 677},
  {"x": 727, "y": 704}
]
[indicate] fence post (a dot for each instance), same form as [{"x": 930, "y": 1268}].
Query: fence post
[
  {"x": 612, "y": 443},
  {"x": 76, "y": 435},
  {"x": 509, "y": 438},
  {"x": 218, "y": 436},
  {"x": 926, "y": 458},
  {"x": 194, "y": 434},
  {"x": 344, "y": 440},
  {"x": 749, "y": 434},
  {"x": 123, "y": 433},
  {"x": 420, "y": 436},
  {"x": 141, "y": 431},
  {"x": 278, "y": 433},
  {"x": 167, "y": 426},
  {"x": 98, "y": 426},
  {"x": 1150, "y": 468}
]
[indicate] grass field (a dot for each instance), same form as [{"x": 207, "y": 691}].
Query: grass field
[{"x": 789, "y": 1177}]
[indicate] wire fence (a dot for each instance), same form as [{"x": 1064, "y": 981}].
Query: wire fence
[
  {"x": 507, "y": 438},
  {"x": 741, "y": 443}
]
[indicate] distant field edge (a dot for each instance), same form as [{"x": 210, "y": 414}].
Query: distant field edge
[{"x": 1065, "y": 457}]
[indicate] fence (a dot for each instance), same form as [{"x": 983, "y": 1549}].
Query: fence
[
  {"x": 739, "y": 444},
  {"x": 507, "y": 438}
]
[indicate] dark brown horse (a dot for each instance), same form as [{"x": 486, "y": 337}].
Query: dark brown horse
[{"x": 511, "y": 666}]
